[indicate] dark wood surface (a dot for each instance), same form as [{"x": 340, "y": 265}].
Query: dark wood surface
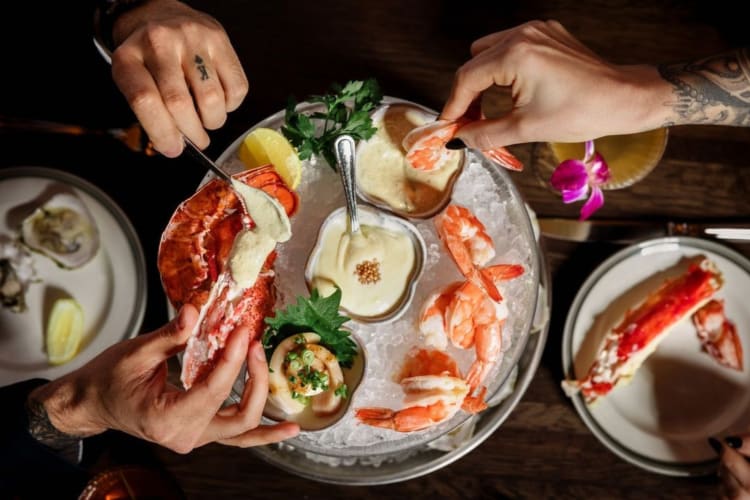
[{"x": 543, "y": 450}]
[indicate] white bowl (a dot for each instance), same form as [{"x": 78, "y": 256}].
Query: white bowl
[
  {"x": 440, "y": 197},
  {"x": 372, "y": 216},
  {"x": 309, "y": 422}
]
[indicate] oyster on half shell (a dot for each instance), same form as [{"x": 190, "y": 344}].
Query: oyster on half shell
[
  {"x": 16, "y": 274},
  {"x": 63, "y": 230}
]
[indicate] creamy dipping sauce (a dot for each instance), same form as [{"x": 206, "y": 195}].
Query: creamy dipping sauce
[
  {"x": 267, "y": 213},
  {"x": 252, "y": 246},
  {"x": 248, "y": 254},
  {"x": 383, "y": 172},
  {"x": 373, "y": 268}
]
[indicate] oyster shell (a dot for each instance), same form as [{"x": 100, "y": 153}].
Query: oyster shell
[
  {"x": 63, "y": 230},
  {"x": 16, "y": 274}
]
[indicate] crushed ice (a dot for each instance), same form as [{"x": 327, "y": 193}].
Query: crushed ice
[{"x": 481, "y": 188}]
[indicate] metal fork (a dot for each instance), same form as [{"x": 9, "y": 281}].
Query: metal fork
[{"x": 132, "y": 136}]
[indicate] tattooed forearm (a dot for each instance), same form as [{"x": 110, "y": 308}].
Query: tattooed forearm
[
  {"x": 43, "y": 431},
  {"x": 201, "y": 67},
  {"x": 714, "y": 90}
]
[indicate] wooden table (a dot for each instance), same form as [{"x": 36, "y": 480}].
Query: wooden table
[{"x": 543, "y": 450}]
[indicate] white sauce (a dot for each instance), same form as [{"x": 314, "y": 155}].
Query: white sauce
[
  {"x": 249, "y": 252},
  {"x": 251, "y": 247},
  {"x": 384, "y": 173},
  {"x": 267, "y": 213},
  {"x": 387, "y": 250}
]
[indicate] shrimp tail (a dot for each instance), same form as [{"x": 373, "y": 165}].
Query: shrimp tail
[
  {"x": 504, "y": 158},
  {"x": 475, "y": 404},
  {"x": 487, "y": 283},
  {"x": 502, "y": 272},
  {"x": 477, "y": 372},
  {"x": 377, "y": 417}
]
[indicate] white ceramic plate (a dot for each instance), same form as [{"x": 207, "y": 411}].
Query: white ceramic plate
[
  {"x": 680, "y": 396},
  {"x": 111, "y": 288}
]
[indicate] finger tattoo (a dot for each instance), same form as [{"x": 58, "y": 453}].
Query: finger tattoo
[{"x": 201, "y": 67}]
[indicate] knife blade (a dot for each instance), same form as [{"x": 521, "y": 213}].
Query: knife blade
[{"x": 629, "y": 231}]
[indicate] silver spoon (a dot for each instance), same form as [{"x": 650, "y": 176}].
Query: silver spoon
[{"x": 344, "y": 148}]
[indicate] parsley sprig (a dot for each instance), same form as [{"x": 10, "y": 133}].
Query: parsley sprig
[
  {"x": 347, "y": 111},
  {"x": 317, "y": 314}
]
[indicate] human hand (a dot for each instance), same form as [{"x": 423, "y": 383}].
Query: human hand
[
  {"x": 734, "y": 469},
  {"x": 125, "y": 388},
  {"x": 178, "y": 71},
  {"x": 561, "y": 90}
]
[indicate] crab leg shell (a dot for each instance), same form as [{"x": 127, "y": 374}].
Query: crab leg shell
[
  {"x": 718, "y": 335},
  {"x": 629, "y": 343}
]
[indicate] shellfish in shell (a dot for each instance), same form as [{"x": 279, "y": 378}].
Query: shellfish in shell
[
  {"x": 63, "y": 230},
  {"x": 16, "y": 274}
]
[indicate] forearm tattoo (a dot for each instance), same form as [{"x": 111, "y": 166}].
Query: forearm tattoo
[
  {"x": 714, "y": 90},
  {"x": 201, "y": 67},
  {"x": 43, "y": 431}
]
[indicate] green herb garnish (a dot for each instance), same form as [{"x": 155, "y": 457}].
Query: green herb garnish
[
  {"x": 342, "y": 391},
  {"x": 305, "y": 400},
  {"x": 315, "y": 379},
  {"x": 317, "y": 314},
  {"x": 308, "y": 357},
  {"x": 337, "y": 119}
]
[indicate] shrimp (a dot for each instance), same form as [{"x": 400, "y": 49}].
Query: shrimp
[
  {"x": 487, "y": 342},
  {"x": 469, "y": 245},
  {"x": 476, "y": 321},
  {"x": 432, "y": 322},
  {"x": 463, "y": 314},
  {"x": 434, "y": 391},
  {"x": 426, "y": 151},
  {"x": 425, "y": 145}
]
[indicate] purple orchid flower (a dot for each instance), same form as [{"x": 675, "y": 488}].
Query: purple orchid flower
[{"x": 574, "y": 178}]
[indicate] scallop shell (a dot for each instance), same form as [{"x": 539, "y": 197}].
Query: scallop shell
[{"x": 63, "y": 230}]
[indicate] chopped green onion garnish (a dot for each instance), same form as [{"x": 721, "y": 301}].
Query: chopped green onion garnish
[{"x": 308, "y": 357}]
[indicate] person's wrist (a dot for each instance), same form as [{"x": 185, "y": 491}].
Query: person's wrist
[
  {"x": 131, "y": 19},
  {"x": 107, "y": 15},
  {"x": 64, "y": 405},
  {"x": 644, "y": 97}
]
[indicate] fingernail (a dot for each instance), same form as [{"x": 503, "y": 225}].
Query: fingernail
[
  {"x": 715, "y": 444},
  {"x": 733, "y": 442},
  {"x": 455, "y": 143}
]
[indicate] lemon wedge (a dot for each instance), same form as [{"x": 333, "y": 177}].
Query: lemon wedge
[
  {"x": 263, "y": 146},
  {"x": 64, "y": 331}
]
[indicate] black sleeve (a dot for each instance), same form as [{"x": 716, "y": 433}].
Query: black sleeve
[{"x": 27, "y": 468}]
